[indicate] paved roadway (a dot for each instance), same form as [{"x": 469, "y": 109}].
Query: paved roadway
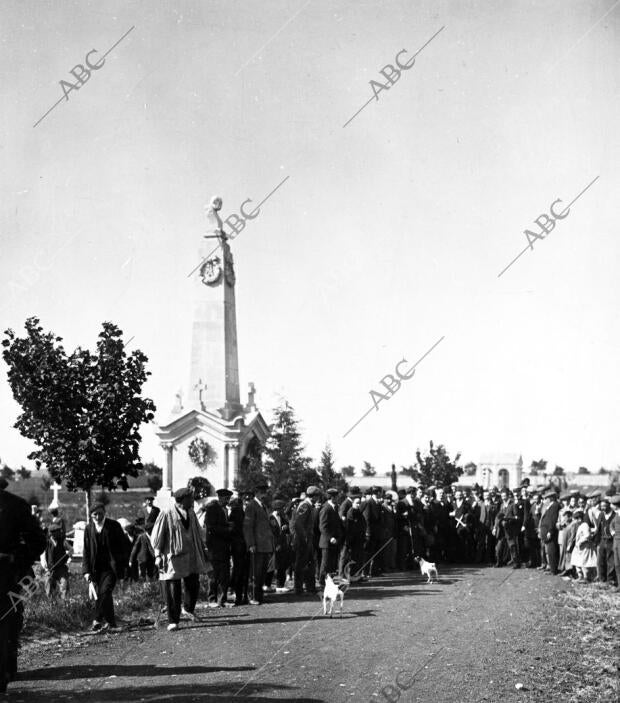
[{"x": 469, "y": 638}]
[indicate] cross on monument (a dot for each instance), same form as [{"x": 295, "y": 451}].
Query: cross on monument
[{"x": 201, "y": 388}]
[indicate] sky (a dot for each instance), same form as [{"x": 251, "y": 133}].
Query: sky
[{"x": 387, "y": 235}]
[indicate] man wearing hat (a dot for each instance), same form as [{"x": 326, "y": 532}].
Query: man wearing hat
[
  {"x": 280, "y": 560},
  {"x": 549, "y": 531},
  {"x": 179, "y": 555},
  {"x": 332, "y": 535},
  {"x": 150, "y": 513},
  {"x": 103, "y": 563},
  {"x": 218, "y": 532},
  {"x": 302, "y": 530},
  {"x": 55, "y": 559},
  {"x": 343, "y": 511},
  {"x": 239, "y": 551},
  {"x": 259, "y": 540},
  {"x": 605, "y": 542},
  {"x": 372, "y": 514}
]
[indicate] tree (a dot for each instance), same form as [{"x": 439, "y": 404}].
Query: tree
[
  {"x": 407, "y": 471},
  {"x": 558, "y": 471},
  {"x": 251, "y": 471},
  {"x": 538, "y": 467},
  {"x": 82, "y": 409},
  {"x": 7, "y": 473},
  {"x": 330, "y": 478},
  {"x": 348, "y": 471},
  {"x": 102, "y": 497},
  {"x": 603, "y": 471},
  {"x": 288, "y": 470},
  {"x": 583, "y": 470},
  {"x": 436, "y": 468},
  {"x": 23, "y": 473},
  {"x": 153, "y": 475},
  {"x": 368, "y": 469},
  {"x": 470, "y": 469},
  {"x": 46, "y": 483}
]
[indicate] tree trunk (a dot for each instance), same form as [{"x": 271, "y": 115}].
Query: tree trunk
[{"x": 87, "y": 501}]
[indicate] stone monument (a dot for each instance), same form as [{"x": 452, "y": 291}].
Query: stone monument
[{"x": 210, "y": 432}]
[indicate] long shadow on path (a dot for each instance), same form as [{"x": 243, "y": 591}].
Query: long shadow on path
[
  {"x": 184, "y": 693},
  {"x": 86, "y": 671}
]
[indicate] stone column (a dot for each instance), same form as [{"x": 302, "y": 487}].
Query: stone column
[
  {"x": 233, "y": 463},
  {"x": 164, "y": 494}
]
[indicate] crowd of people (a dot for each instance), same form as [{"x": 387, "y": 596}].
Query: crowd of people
[{"x": 249, "y": 546}]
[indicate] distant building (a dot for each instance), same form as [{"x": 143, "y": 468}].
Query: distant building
[{"x": 503, "y": 470}]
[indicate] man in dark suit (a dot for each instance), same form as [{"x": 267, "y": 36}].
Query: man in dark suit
[
  {"x": 302, "y": 531},
  {"x": 219, "y": 531},
  {"x": 549, "y": 531},
  {"x": 259, "y": 540},
  {"x": 104, "y": 560},
  {"x": 150, "y": 513},
  {"x": 282, "y": 553},
  {"x": 604, "y": 540},
  {"x": 22, "y": 541},
  {"x": 343, "y": 510},
  {"x": 371, "y": 510},
  {"x": 240, "y": 557},
  {"x": 332, "y": 534}
]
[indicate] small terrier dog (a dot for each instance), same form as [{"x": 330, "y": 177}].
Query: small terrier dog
[
  {"x": 333, "y": 593},
  {"x": 428, "y": 569}
]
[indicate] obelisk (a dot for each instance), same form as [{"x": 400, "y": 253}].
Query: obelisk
[{"x": 214, "y": 366}]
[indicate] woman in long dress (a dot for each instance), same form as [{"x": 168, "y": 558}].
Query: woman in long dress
[{"x": 583, "y": 557}]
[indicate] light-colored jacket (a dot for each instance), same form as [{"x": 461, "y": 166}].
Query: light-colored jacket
[{"x": 183, "y": 551}]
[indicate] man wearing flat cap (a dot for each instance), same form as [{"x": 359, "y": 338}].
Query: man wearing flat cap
[
  {"x": 219, "y": 532},
  {"x": 104, "y": 561},
  {"x": 259, "y": 540},
  {"x": 179, "y": 555},
  {"x": 332, "y": 535},
  {"x": 302, "y": 531}
]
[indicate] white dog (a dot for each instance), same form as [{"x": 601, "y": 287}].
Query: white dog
[
  {"x": 428, "y": 569},
  {"x": 333, "y": 593}
]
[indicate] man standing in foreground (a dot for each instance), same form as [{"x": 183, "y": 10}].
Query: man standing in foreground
[
  {"x": 179, "y": 555},
  {"x": 259, "y": 540},
  {"x": 21, "y": 542},
  {"x": 302, "y": 530},
  {"x": 104, "y": 561},
  {"x": 219, "y": 533},
  {"x": 332, "y": 533}
]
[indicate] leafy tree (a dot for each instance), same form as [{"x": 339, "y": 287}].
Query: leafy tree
[
  {"x": 330, "y": 478},
  {"x": 153, "y": 474},
  {"x": 102, "y": 497},
  {"x": 436, "y": 468},
  {"x": 251, "y": 471},
  {"x": 558, "y": 471},
  {"x": 23, "y": 473},
  {"x": 470, "y": 469},
  {"x": 82, "y": 409},
  {"x": 407, "y": 471},
  {"x": 46, "y": 483},
  {"x": 288, "y": 470},
  {"x": 7, "y": 473},
  {"x": 368, "y": 469},
  {"x": 538, "y": 467},
  {"x": 602, "y": 471},
  {"x": 348, "y": 471},
  {"x": 583, "y": 470}
]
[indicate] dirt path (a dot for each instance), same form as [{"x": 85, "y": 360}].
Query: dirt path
[{"x": 470, "y": 638}]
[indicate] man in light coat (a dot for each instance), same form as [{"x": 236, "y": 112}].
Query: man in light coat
[{"x": 179, "y": 555}]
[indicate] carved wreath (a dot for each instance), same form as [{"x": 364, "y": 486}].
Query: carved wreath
[{"x": 201, "y": 453}]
